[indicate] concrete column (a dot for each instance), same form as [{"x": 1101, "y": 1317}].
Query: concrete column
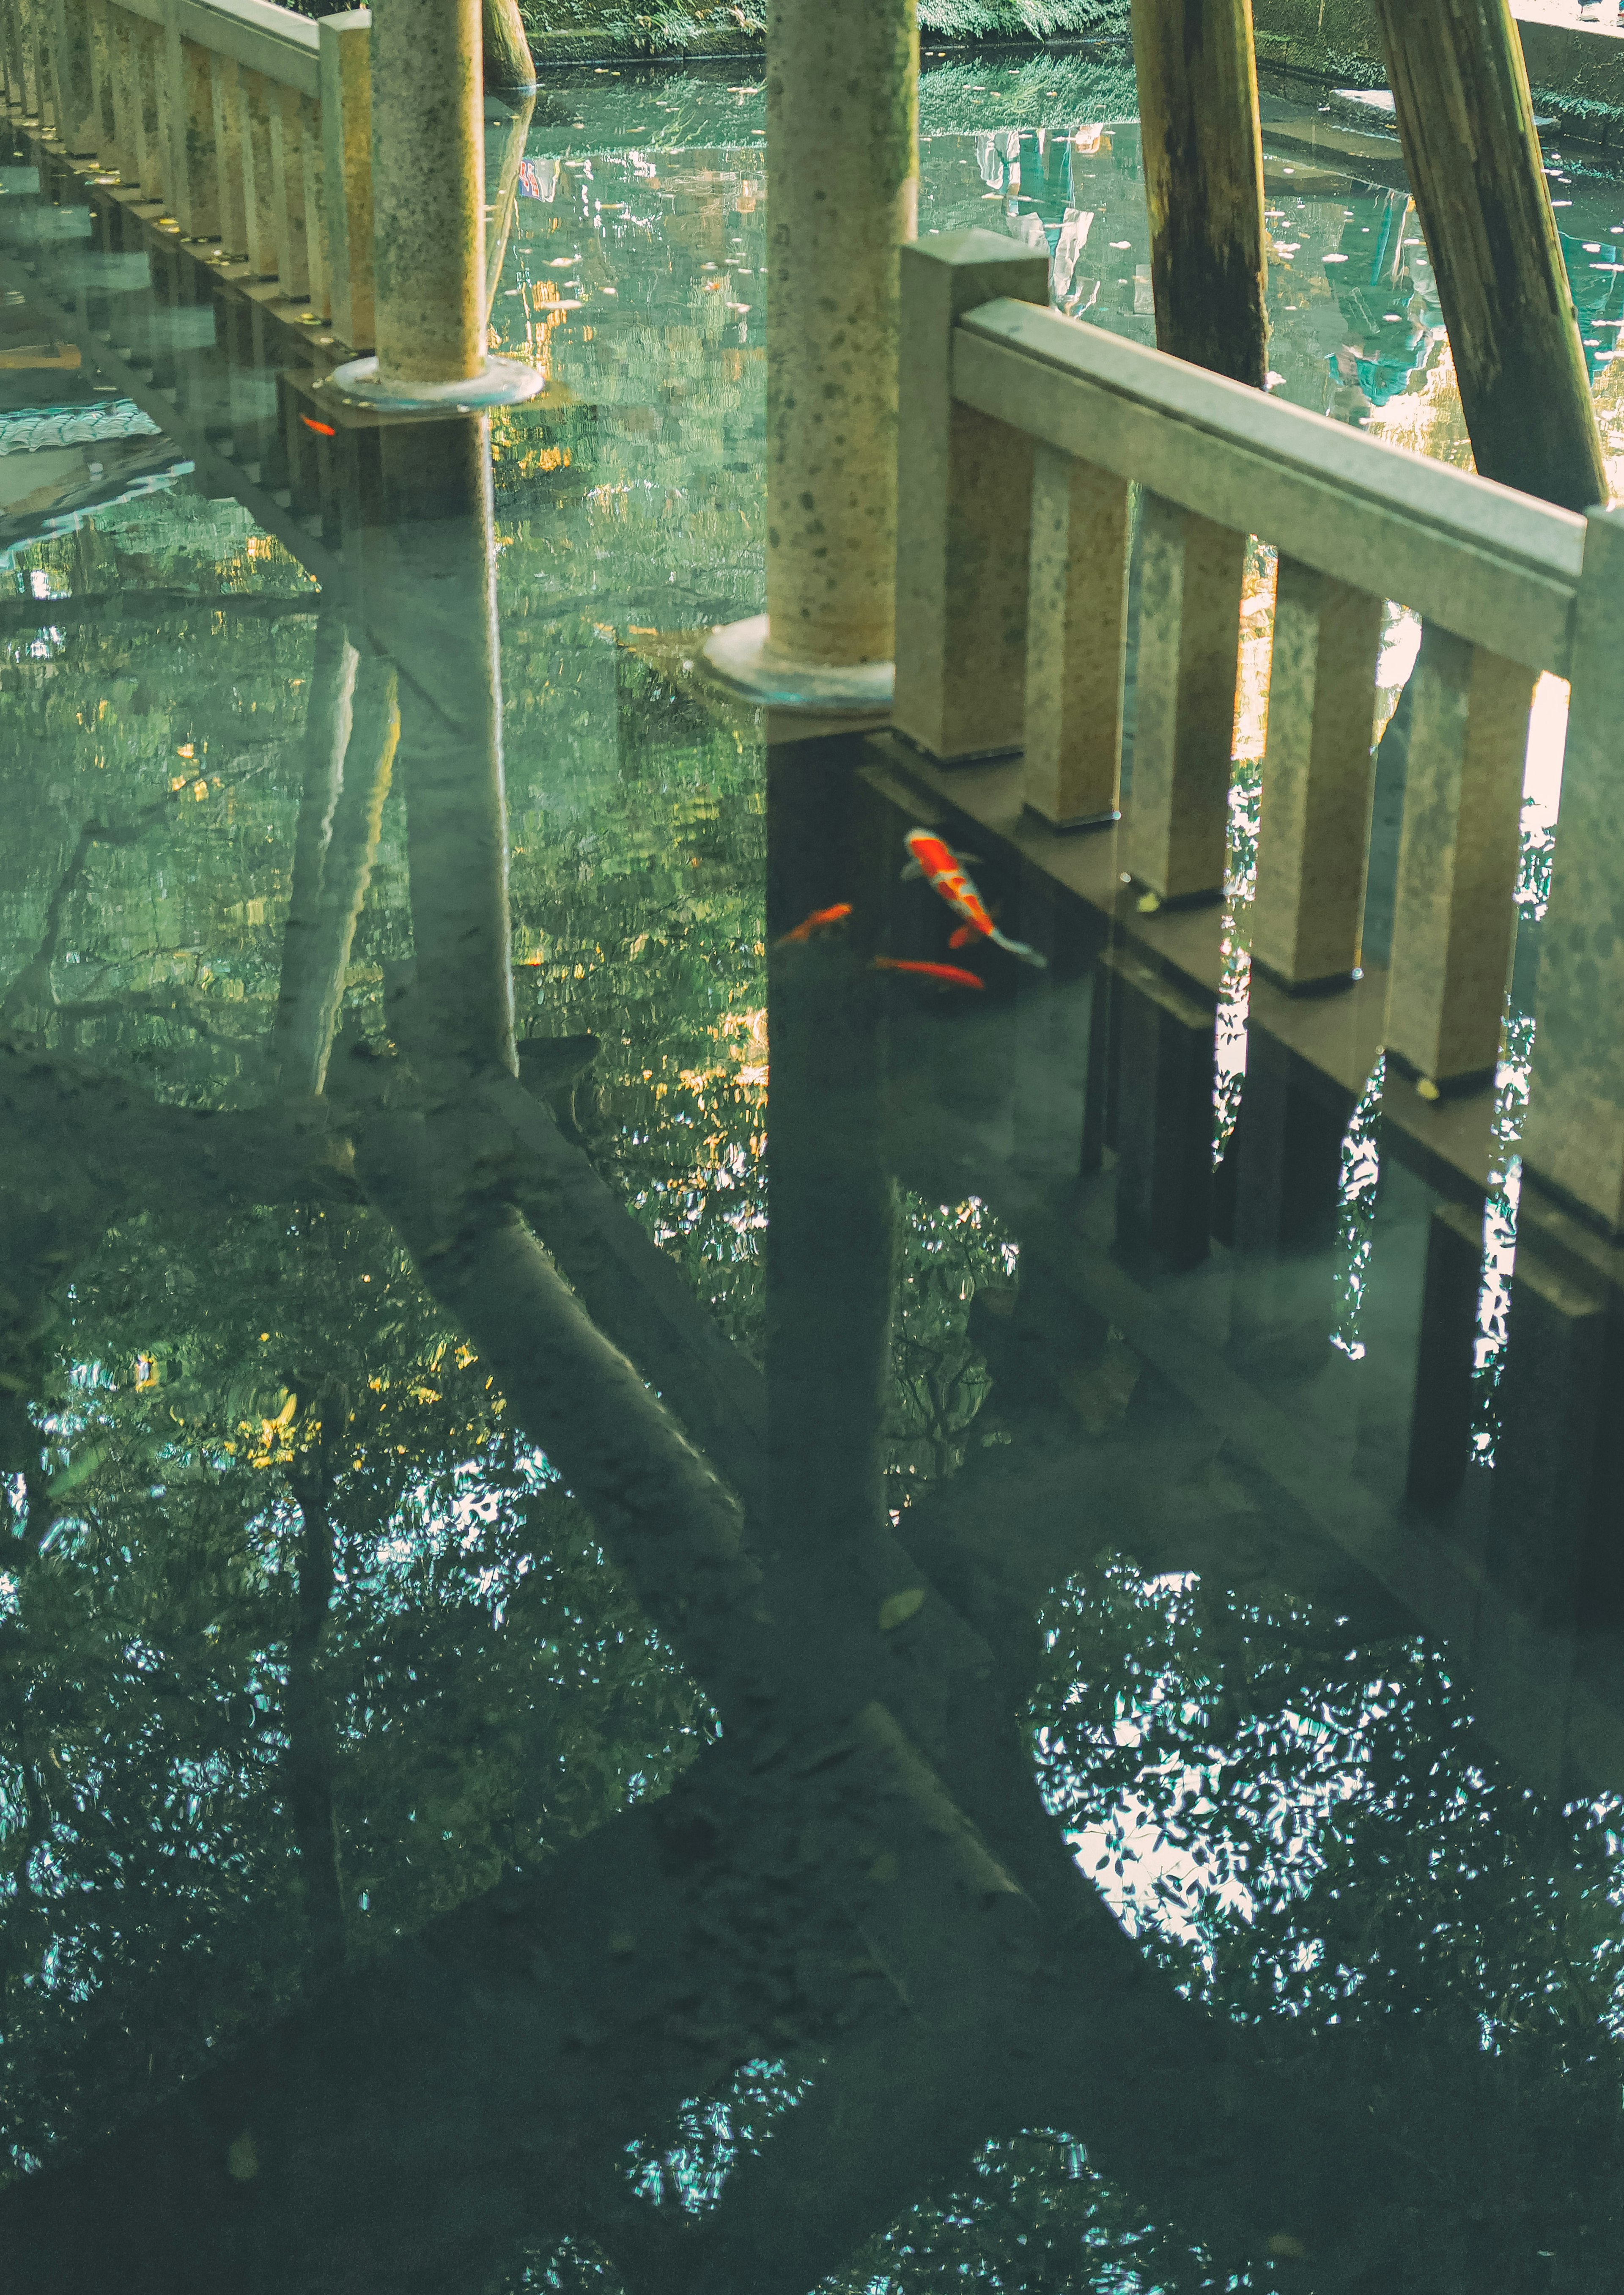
[
  {"x": 427, "y": 218},
  {"x": 427, "y": 190},
  {"x": 843, "y": 196}
]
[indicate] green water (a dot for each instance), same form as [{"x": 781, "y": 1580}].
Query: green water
[{"x": 733, "y": 1664}]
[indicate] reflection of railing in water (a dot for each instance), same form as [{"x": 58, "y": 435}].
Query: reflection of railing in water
[{"x": 1014, "y": 631}]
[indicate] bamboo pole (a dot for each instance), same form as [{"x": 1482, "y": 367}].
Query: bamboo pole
[
  {"x": 1460, "y": 91},
  {"x": 1203, "y": 181}
]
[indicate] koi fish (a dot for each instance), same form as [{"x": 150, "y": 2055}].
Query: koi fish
[
  {"x": 325, "y": 429},
  {"x": 819, "y": 920},
  {"x": 945, "y": 873},
  {"x": 950, "y": 976}
]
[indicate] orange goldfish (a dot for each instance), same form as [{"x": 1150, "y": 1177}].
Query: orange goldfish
[
  {"x": 945, "y": 873},
  {"x": 819, "y": 920},
  {"x": 950, "y": 976}
]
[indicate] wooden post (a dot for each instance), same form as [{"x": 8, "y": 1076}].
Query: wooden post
[
  {"x": 1460, "y": 91},
  {"x": 1203, "y": 181},
  {"x": 964, "y": 494},
  {"x": 1076, "y": 638}
]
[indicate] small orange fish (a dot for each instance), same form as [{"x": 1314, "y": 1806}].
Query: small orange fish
[
  {"x": 950, "y": 976},
  {"x": 325, "y": 429},
  {"x": 819, "y": 920},
  {"x": 930, "y": 857}
]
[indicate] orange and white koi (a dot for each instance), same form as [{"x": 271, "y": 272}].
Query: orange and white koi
[
  {"x": 821, "y": 920},
  {"x": 930, "y": 857},
  {"x": 946, "y": 975}
]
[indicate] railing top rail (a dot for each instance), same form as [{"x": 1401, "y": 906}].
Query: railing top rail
[
  {"x": 277, "y": 42},
  {"x": 1495, "y": 565}
]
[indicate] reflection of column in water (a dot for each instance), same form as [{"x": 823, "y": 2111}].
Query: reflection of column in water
[
  {"x": 832, "y": 1204},
  {"x": 350, "y": 735},
  {"x": 430, "y": 602},
  {"x": 514, "y": 133}
]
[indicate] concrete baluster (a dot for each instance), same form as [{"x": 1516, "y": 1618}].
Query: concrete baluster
[
  {"x": 315, "y": 208},
  {"x": 39, "y": 92},
  {"x": 1076, "y": 640},
  {"x": 346, "y": 174},
  {"x": 193, "y": 178},
  {"x": 146, "y": 57},
  {"x": 71, "y": 51},
  {"x": 287, "y": 109},
  {"x": 1453, "y": 914},
  {"x": 1574, "y": 1141},
  {"x": 10, "y": 54},
  {"x": 223, "y": 98},
  {"x": 103, "y": 117},
  {"x": 964, "y": 511},
  {"x": 1176, "y": 833},
  {"x": 255, "y": 99},
  {"x": 28, "y": 42},
  {"x": 1318, "y": 778},
  {"x": 121, "y": 81}
]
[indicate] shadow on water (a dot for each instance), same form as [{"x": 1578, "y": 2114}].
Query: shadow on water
[{"x": 1012, "y": 1719}]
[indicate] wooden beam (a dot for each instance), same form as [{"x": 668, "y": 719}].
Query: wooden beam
[
  {"x": 1460, "y": 91},
  {"x": 1204, "y": 181}
]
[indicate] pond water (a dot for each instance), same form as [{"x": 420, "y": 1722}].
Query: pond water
[{"x": 848, "y": 1635}]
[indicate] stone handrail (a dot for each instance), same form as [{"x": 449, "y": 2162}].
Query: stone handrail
[
  {"x": 1022, "y": 433},
  {"x": 248, "y": 124}
]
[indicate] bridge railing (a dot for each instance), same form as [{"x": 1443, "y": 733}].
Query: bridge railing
[
  {"x": 251, "y": 124},
  {"x": 1021, "y": 434}
]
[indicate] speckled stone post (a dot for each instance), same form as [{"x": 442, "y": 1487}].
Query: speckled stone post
[
  {"x": 428, "y": 191},
  {"x": 843, "y": 85}
]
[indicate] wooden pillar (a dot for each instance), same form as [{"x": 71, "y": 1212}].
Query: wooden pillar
[
  {"x": 1460, "y": 92},
  {"x": 1203, "y": 181}
]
